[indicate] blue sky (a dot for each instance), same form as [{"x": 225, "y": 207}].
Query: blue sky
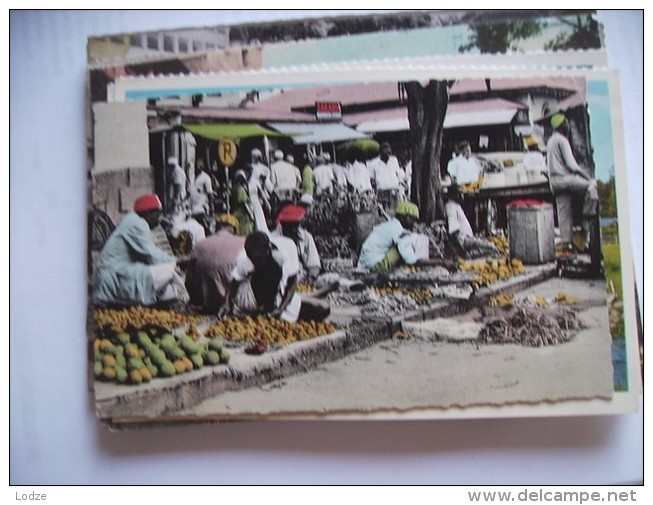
[{"x": 598, "y": 100}]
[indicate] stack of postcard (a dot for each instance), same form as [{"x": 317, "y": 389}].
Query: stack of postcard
[{"x": 415, "y": 215}]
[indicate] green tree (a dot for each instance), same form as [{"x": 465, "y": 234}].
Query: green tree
[
  {"x": 584, "y": 35},
  {"x": 500, "y": 37},
  {"x": 494, "y": 35},
  {"x": 607, "y": 197}
]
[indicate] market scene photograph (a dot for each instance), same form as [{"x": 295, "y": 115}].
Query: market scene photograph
[{"x": 362, "y": 248}]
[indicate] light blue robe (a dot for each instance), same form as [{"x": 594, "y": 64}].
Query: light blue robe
[
  {"x": 122, "y": 274},
  {"x": 381, "y": 239}
]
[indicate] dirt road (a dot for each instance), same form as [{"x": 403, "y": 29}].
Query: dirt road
[{"x": 415, "y": 373}]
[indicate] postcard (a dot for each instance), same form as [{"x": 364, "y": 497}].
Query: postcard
[
  {"x": 538, "y": 38},
  {"x": 370, "y": 242}
]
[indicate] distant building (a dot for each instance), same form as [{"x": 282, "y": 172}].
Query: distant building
[{"x": 157, "y": 44}]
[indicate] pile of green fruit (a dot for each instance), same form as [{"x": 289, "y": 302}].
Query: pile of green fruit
[{"x": 141, "y": 354}]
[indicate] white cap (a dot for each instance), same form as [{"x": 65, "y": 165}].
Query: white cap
[
  {"x": 290, "y": 158},
  {"x": 278, "y": 154},
  {"x": 257, "y": 152},
  {"x": 172, "y": 160},
  {"x": 306, "y": 199},
  {"x": 327, "y": 157}
]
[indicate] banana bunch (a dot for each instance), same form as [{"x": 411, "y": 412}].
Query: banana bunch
[
  {"x": 502, "y": 300},
  {"x": 268, "y": 330},
  {"x": 138, "y": 316},
  {"x": 541, "y": 301},
  {"x": 490, "y": 271},
  {"x": 501, "y": 243},
  {"x": 472, "y": 186},
  {"x": 563, "y": 298},
  {"x": 421, "y": 295},
  {"x": 182, "y": 244},
  {"x": 304, "y": 288}
]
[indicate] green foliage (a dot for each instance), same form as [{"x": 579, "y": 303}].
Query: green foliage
[
  {"x": 612, "y": 264},
  {"x": 584, "y": 35},
  {"x": 608, "y": 197},
  {"x": 500, "y": 37}
]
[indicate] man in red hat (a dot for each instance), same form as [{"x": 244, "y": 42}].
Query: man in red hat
[
  {"x": 131, "y": 269},
  {"x": 289, "y": 225}
]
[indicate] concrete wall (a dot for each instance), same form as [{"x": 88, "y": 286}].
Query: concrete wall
[
  {"x": 120, "y": 135},
  {"x": 114, "y": 191},
  {"x": 121, "y": 170}
]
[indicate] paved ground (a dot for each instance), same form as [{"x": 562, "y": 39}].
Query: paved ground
[{"x": 418, "y": 373}]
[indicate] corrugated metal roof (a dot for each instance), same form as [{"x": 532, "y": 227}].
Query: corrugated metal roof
[
  {"x": 362, "y": 93},
  {"x": 317, "y": 133},
  {"x": 242, "y": 114},
  {"x": 459, "y": 114}
]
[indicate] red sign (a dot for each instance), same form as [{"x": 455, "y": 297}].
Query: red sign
[{"x": 328, "y": 110}]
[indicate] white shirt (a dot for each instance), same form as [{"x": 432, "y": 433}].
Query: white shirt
[
  {"x": 261, "y": 171},
  {"x": 464, "y": 170},
  {"x": 285, "y": 176},
  {"x": 386, "y": 174},
  {"x": 179, "y": 179},
  {"x": 324, "y": 178},
  {"x": 457, "y": 220},
  {"x": 199, "y": 193},
  {"x": 190, "y": 225},
  {"x": 309, "y": 257},
  {"x": 359, "y": 177},
  {"x": 339, "y": 175},
  {"x": 285, "y": 254}
]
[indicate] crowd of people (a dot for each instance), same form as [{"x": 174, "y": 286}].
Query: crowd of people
[{"x": 251, "y": 259}]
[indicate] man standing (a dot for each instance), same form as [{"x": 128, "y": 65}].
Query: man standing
[
  {"x": 464, "y": 168},
  {"x": 387, "y": 176},
  {"x": 260, "y": 187},
  {"x": 201, "y": 190},
  {"x": 131, "y": 269},
  {"x": 177, "y": 185},
  {"x": 285, "y": 177},
  {"x": 323, "y": 176},
  {"x": 308, "y": 179},
  {"x": 339, "y": 176},
  {"x": 212, "y": 262},
  {"x": 358, "y": 177},
  {"x": 569, "y": 182}
]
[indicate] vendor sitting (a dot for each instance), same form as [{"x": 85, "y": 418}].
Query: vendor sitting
[
  {"x": 391, "y": 244},
  {"x": 264, "y": 282},
  {"x": 131, "y": 269},
  {"x": 289, "y": 226},
  {"x": 460, "y": 231}
]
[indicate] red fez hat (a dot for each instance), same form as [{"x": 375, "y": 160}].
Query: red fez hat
[
  {"x": 291, "y": 213},
  {"x": 147, "y": 202}
]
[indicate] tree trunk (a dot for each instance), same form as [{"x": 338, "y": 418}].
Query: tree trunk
[{"x": 427, "y": 107}]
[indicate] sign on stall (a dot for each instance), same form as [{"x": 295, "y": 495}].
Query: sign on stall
[{"x": 227, "y": 152}]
